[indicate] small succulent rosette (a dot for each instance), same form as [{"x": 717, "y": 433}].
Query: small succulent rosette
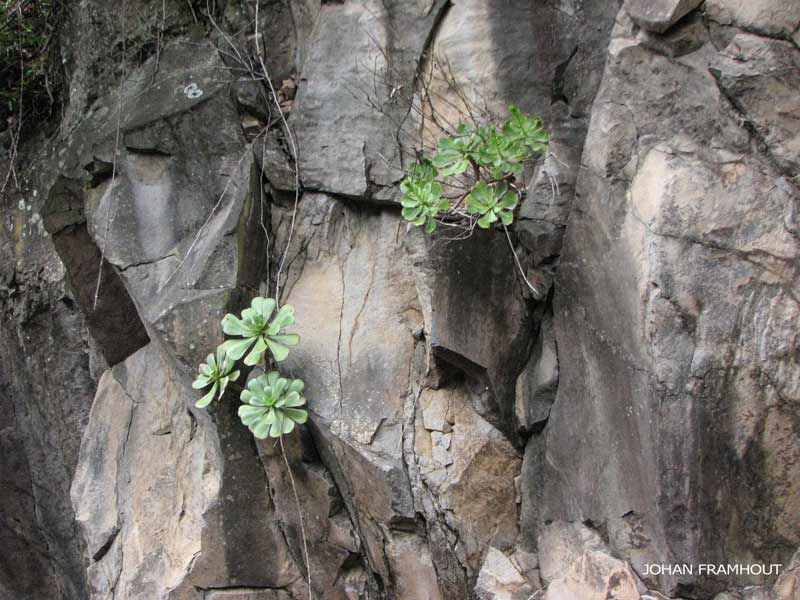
[{"x": 271, "y": 405}]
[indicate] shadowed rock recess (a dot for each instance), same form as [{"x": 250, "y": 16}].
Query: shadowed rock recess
[{"x": 469, "y": 438}]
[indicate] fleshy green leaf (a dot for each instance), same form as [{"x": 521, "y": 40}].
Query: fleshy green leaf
[
  {"x": 260, "y": 429},
  {"x": 508, "y": 201},
  {"x": 279, "y": 351},
  {"x": 201, "y": 382},
  {"x": 233, "y": 326},
  {"x": 264, "y": 306},
  {"x": 206, "y": 400},
  {"x": 298, "y": 415},
  {"x": 411, "y": 213},
  {"x": 287, "y": 339},
  {"x": 423, "y": 171},
  {"x": 285, "y": 316},
  {"x": 254, "y": 357},
  {"x": 251, "y": 414},
  {"x": 236, "y": 348},
  {"x": 288, "y": 425},
  {"x": 486, "y": 220}
]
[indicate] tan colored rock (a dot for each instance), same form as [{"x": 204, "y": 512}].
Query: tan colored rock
[
  {"x": 499, "y": 579},
  {"x": 410, "y": 560},
  {"x": 787, "y": 587},
  {"x": 247, "y": 595},
  {"x": 670, "y": 239},
  {"x": 145, "y": 479},
  {"x": 471, "y": 475},
  {"x": 575, "y": 563},
  {"x": 537, "y": 384},
  {"x": 356, "y": 300}
]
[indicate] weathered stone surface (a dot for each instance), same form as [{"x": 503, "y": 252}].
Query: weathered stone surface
[
  {"x": 48, "y": 370},
  {"x": 788, "y": 584},
  {"x": 659, "y": 15},
  {"x": 544, "y": 59},
  {"x": 768, "y": 17},
  {"x": 577, "y": 564},
  {"x": 670, "y": 275},
  {"x": 348, "y": 279},
  {"x": 499, "y": 579},
  {"x": 664, "y": 319},
  {"x": 683, "y": 38},
  {"x": 245, "y": 594},
  {"x": 469, "y": 469},
  {"x": 761, "y": 78},
  {"x": 156, "y": 490},
  {"x": 538, "y": 383},
  {"x": 97, "y": 509},
  {"x": 127, "y": 503},
  {"x": 333, "y": 545},
  {"x": 349, "y": 111},
  {"x": 457, "y": 282},
  {"x": 112, "y": 319}
]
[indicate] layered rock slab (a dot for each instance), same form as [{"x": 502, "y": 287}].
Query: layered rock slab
[
  {"x": 411, "y": 463},
  {"x": 673, "y": 424}
]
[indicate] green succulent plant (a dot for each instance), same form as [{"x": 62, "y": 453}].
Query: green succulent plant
[
  {"x": 495, "y": 154},
  {"x": 492, "y": 202},
  {"x": 422, "y": 198},
  {"x": 501, "y": 155},
  {"x": 217, "y": 371},
  {"x": 527, "y": 130},
  {"x": 423, "y": 171},
  {"x": 453, "y": 156},
  {"x": 271, "y": 404},
  {"x": 259, "y": 332}
]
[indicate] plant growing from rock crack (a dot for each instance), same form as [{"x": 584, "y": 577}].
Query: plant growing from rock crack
[
  {"x": 492, "y": 202},
  {"x": 271, "y": 405},
  {"x": 484, "y": 161},
  {"x": 422, "y": 196},
  {"x": 259, "y": 332},
  {"x": 217, "y": 372}
]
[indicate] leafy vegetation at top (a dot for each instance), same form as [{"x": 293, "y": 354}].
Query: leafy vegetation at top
[
  {"x": 486, "y": 161},
  {"x": 27, "y": 73}
]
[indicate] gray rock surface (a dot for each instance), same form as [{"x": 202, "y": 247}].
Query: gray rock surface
[
  {"x": 659, "y": 15},
  {"x": 469, "y": 437},
  {"x": 663, "y": 453},
  {"x": 765, "y": 17}
]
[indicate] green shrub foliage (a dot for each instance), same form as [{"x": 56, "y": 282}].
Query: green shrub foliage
[
  {"x": 29, "y": 75},
  {"x": 489, "y": 156},
  {"x": 271, "y": 405}
]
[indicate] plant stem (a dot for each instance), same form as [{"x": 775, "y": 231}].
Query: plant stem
[
  {"x": 300, "y": 513},
  {"x": 537, "y": 294}
]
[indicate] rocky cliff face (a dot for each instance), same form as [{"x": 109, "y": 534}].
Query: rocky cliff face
[{"x": 470, "y": 436}]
